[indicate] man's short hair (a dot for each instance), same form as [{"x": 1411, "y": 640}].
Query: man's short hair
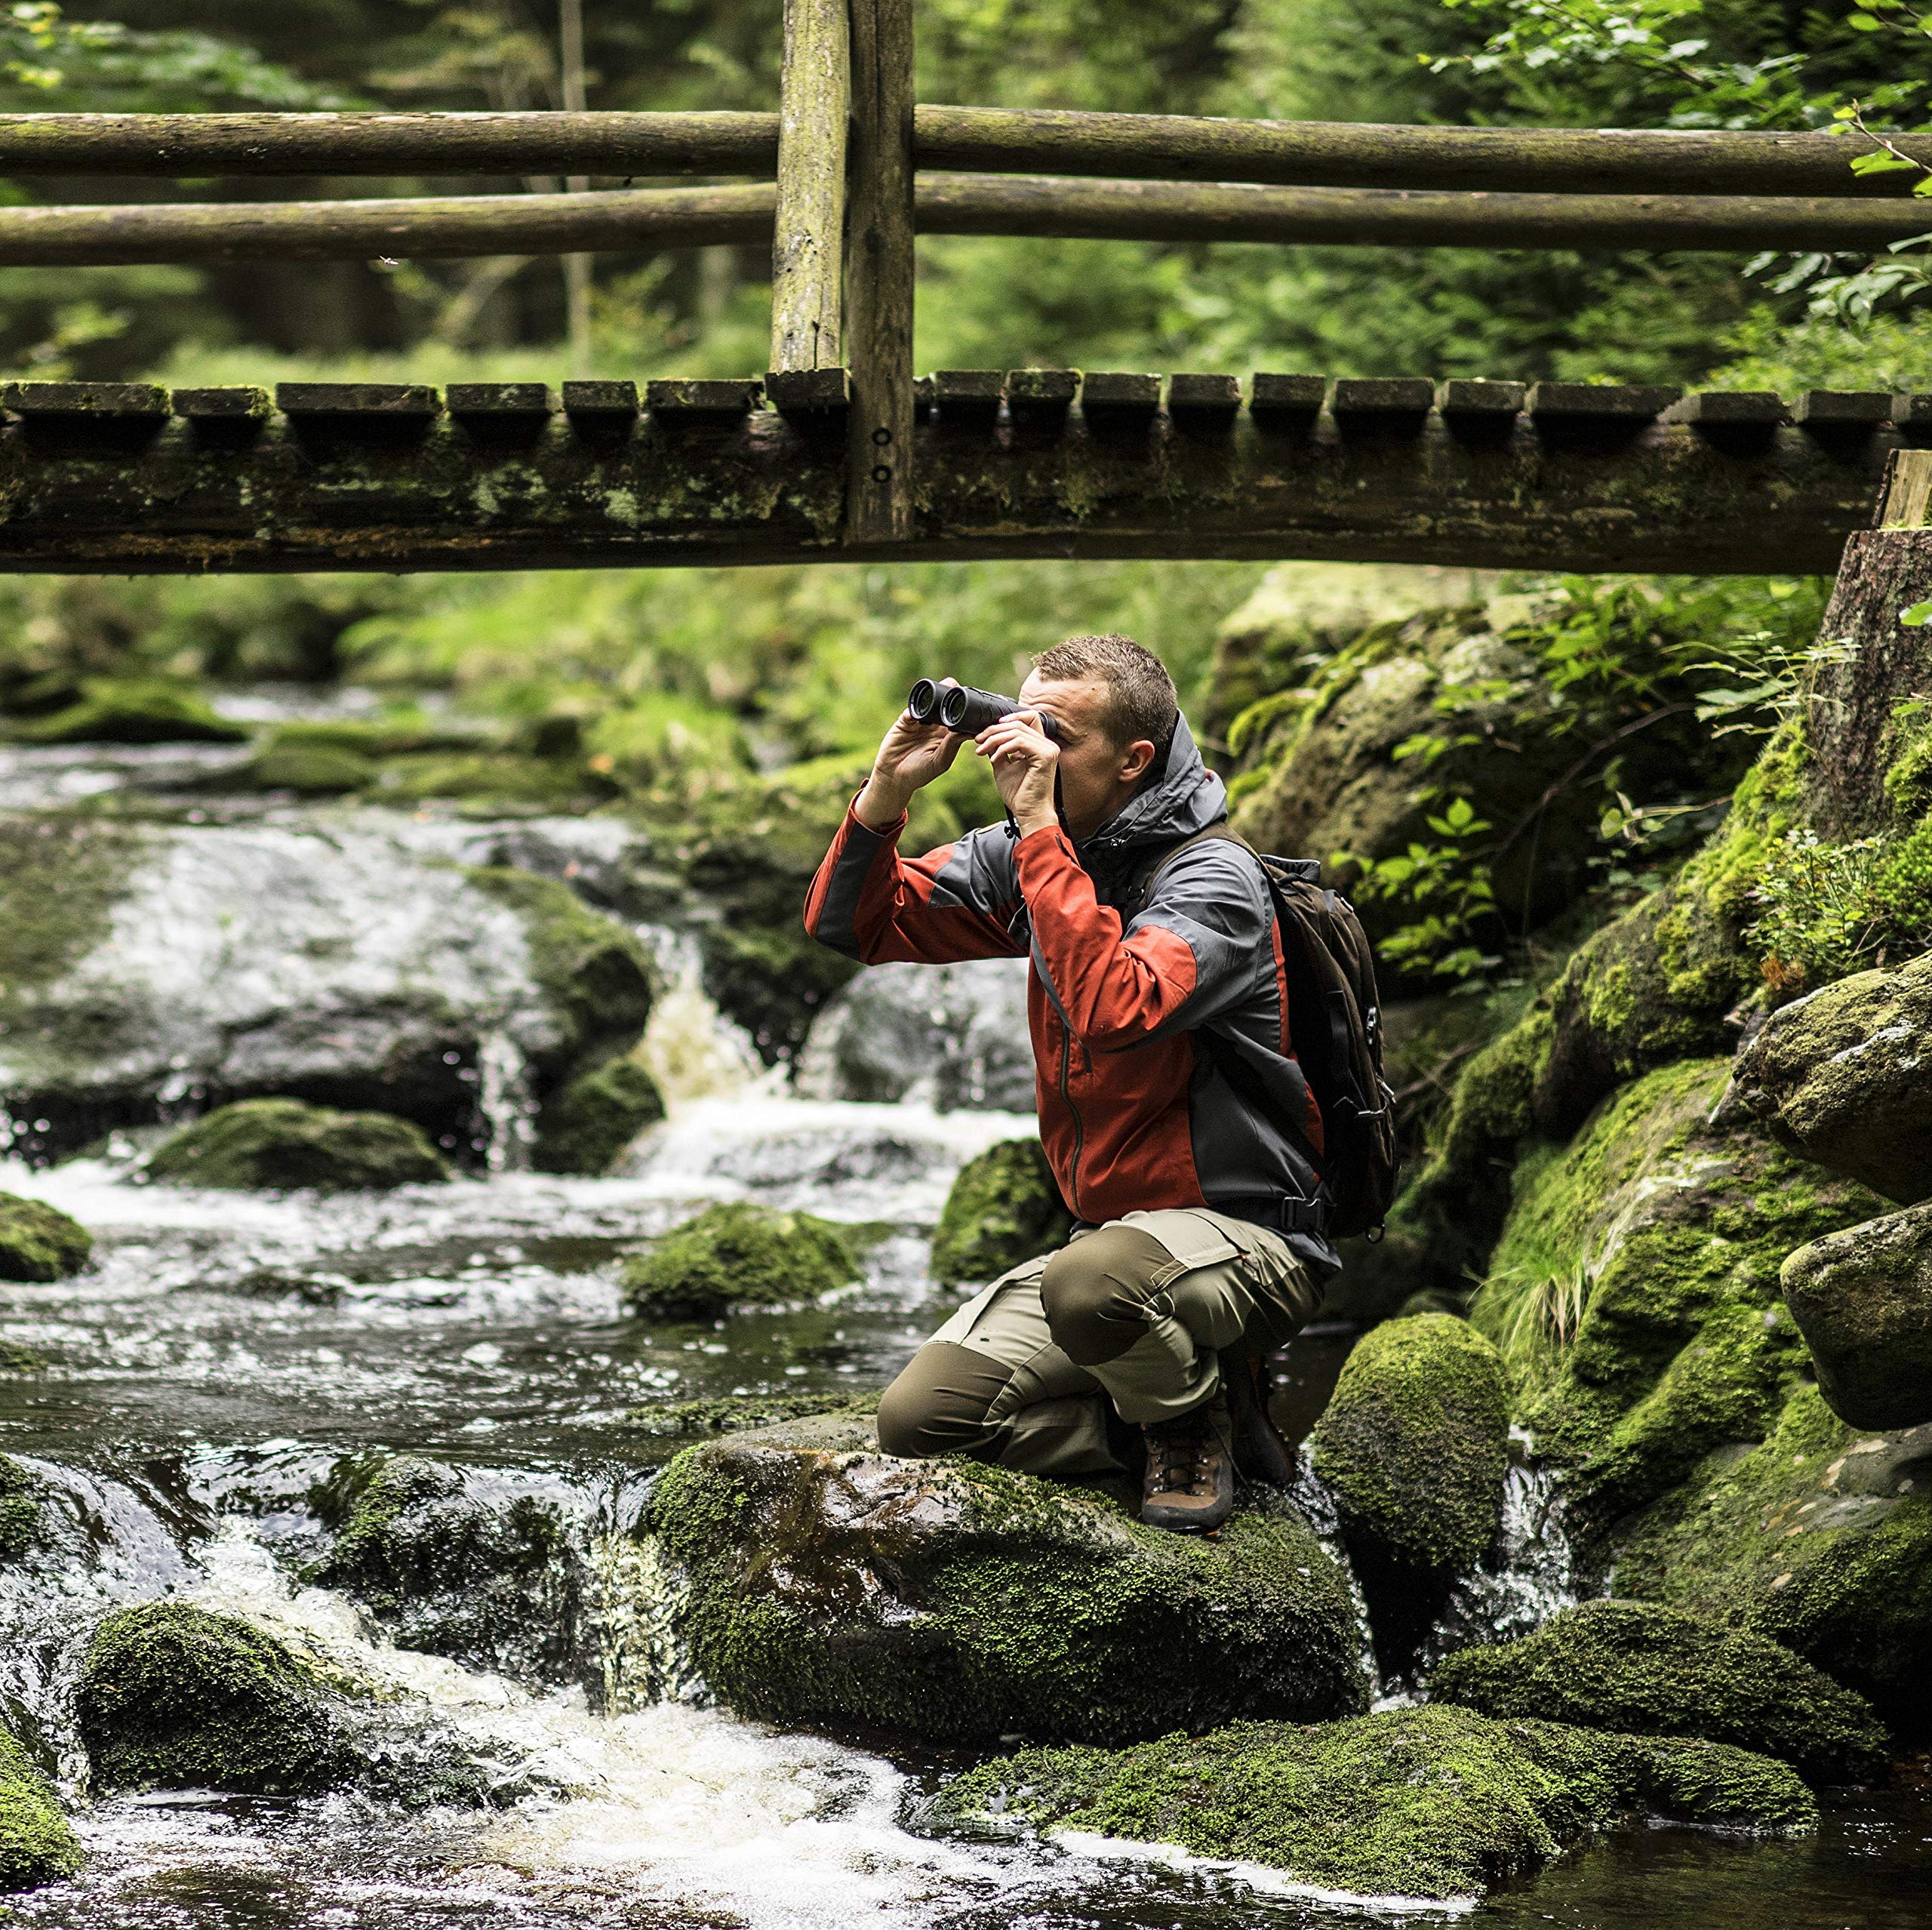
[{"x": 1140, "y": 695}]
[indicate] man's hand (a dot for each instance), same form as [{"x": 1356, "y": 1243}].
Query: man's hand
[
  {"x": 910, "y": 756},
  {"x": 1025, "y": 762}
]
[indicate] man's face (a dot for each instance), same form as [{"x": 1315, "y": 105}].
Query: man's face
[{"x": 1096, "y": 775}]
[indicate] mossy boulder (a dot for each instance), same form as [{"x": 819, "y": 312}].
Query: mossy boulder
[
  {"x": 590, "y": 1120},
  {"x": 133, "y": 711},
  {"x": 1635, "y": 1289},
  {"x": 1432, "y": 1803},
  {"x": 495, "y": 778},
  {"x": 309, "y": 771},
  {"x": 734, "y": 1254},
  {"x": 1642, "y": 1669},
  {"x": 1843, "y": 1077},
  {"x": 40, "y": 1242},
  {"x": 279, "y": 1143},
  {"x": 1003, "y": 1207},
  {"x": 37, "y": 1843},
  {"x": 1413, "y": 1445},
  {"x": 827, "y": 1582},
  {"x": 737, "y": 1414},
  {"x": 1862, "y": 1299},
  {"x": 20, "y": 1522},
  {"x": 172, "y": 1696},
  {"x": 458, "y": 1562},
  {"x": 1819, "y": 1536}
]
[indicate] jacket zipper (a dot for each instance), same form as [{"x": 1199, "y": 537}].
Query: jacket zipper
[{"x": 1065, "y": 1079}]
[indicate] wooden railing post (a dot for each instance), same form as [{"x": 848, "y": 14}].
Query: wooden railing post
[
  {"x": 878, "y": 275},
  {"x": 808, "y": 244}
]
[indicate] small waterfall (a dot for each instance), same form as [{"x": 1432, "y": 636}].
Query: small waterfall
[
  {"x": 1316, "y": 1507},
  {"x": 689, "y": 1047},
  {"x": 1530, "y": 1574},
  {"x": 638, "y": 1622},
  {"x": 504, "y": 1099}
]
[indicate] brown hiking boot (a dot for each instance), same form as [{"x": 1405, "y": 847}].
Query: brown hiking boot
[
  {"x": 1260, "y": 1454},
  {"x": 1189, "y": 1485}
]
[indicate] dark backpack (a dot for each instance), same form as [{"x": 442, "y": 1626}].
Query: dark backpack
[{"x": 1335, "y": 1025}]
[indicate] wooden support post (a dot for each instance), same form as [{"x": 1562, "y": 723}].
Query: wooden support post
[
  {"x": 808, "y": 243},
  {"x": 878, "y": 276}
]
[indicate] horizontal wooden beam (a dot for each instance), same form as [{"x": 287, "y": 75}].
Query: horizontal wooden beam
[
  {"x": 192, "y": 145},
  {"x": 968, "y": 139},
  {"x": 1347, "y": 154},
  {"x": 1384, "y": 217},
  {"x": 647, "y": 219},
  {"x": 125, "y": 478}
]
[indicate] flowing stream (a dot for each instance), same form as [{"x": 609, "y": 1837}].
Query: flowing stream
[{"x": 229, "y": 1351}]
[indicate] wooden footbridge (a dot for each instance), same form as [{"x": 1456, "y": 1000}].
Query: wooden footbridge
[{"x": 839, "y": 451}]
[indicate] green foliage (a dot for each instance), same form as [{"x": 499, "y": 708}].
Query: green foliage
[
  {"x": 1830, "y": 910},
  {"x": 1446, "y": 888}
]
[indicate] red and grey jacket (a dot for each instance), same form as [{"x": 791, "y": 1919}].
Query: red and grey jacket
[{"x": 1164, "y": 1070}]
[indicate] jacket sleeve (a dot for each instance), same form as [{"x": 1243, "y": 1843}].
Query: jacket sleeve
[
  {"x": 955, "y": 903},
  {"x": 1196, "y": 949}
]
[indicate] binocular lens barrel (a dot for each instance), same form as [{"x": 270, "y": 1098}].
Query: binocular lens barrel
[{"x": 963, "y": 709}]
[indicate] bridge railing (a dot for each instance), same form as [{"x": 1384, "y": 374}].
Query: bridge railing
[{"x": 850, "y": 168}]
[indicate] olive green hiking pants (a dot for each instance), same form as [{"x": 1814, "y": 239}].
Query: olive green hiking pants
[{"x": 1126, "y": 1317}]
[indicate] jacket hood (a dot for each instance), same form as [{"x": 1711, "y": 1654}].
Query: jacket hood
[{"x": 1187, "y": 797}]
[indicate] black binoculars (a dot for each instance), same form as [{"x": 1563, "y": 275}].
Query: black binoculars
[{"x": 965, "y": 711}]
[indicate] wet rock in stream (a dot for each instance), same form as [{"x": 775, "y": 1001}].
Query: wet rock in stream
[
  {"x": 281, "y": 1143},
  {"x": 37, "y": 1843},
  {"x": 1005, "y": 1207},
  {"x": 458, "y": 1562},
  {"x": 828, "y": 1582},
  {"x": 1411, "y": 1803},
  {"x": 1641, "y": 1669},
  {"x": 40, "y": 1242},
  {"x": 738, "y": 1255}
]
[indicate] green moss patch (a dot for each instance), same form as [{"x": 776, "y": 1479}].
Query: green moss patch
[
  {"x": 734, "y": 1413},
  {"x": 60, "y": 879},
  {"x": 495, "y": 777},
  {"x": 1432, "y": 1802},
  {"x": 1820, "y": 1537},
  {"x": 19, "y": 1510},
  {"x": 37, "y": 1843},
  {"x": 307, "y": 770},
  {"x": 594, "y": 1116},
  {"x": 175, "y": 1697},
  {"x": 1414, "y": 1444},
  {"x": 281, "y": 1143},
  {"x": 738, "y": 1255},
  {"x": 40, "y": 1242},
  {"x": 1646, "y": 1670},
  {"x": 1003, "y": 1207},
  {"x": 959, "y": 1602},
  {"x": 129, "y": 711}
]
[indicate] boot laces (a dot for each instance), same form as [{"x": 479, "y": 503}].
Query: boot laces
[{"x": 1181, "y": 1455}]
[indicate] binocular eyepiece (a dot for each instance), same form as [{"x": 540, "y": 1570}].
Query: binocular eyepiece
[{"x": 965, "y": 711}]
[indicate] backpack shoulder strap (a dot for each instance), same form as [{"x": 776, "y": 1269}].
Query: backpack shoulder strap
[{"x": 1219, "y": 830}]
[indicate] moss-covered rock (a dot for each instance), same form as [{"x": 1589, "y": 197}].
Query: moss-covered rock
[
  {"x": 132, "y": 711},
  {"x": 1003, "y": 1208},
  {"x": 1414, "y": 1444},
  {"x": 1819, "y": 1538},
  {"x": 16, "y": 1358},
  {"x": 457, "y": 1562},
  {"x": 171, "y": 1696},
  {"x": 1646, "y": 1670},
  {"x": 37, "y": 1843},
  {"x": 1635, "y": 1286},
  {"x": 593, "y": 1117},
  {"x": 495, "y": 778},
  {"x": 738, "y": 1255},
  {"x": 1843, "y": 1076},
  {"x": 958, "y": 1601},
  {"x": 1418, "y": 1803},
  {"x": 309, "y": 771},
  {"x": 1862, "y": 1299},
  {"x": 737, "y": 1414},
  {"x": 283, "y": 1143},
  {"x": 20, "y": 1525},
  {"x": 40, "y": 1242}
]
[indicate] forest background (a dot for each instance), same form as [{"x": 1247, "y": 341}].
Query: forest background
[{"x": 681, "y": 681}]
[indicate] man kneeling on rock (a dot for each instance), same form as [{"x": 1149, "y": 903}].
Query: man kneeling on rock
[{"x": 1176, "y": 1121}]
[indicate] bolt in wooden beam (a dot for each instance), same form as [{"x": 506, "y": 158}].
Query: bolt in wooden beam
[
  {"x": 878, "y": 275},
  {"x": 808, "y": 242}
]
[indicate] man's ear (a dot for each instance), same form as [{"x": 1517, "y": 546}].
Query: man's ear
[{"x": 1135, "y": 761}]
